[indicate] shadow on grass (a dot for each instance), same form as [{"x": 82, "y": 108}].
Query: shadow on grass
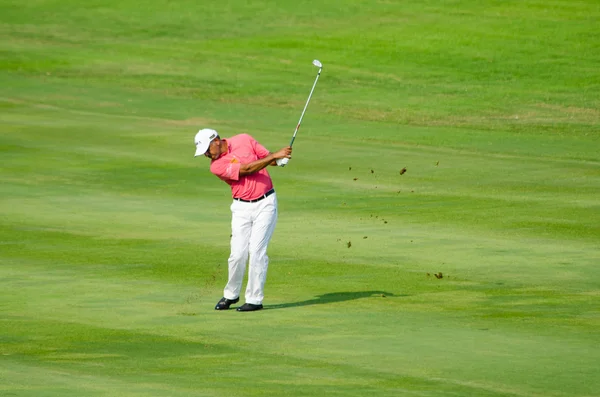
[{"x": 333, "y": 298}]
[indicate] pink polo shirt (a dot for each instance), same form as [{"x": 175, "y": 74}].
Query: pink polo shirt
[{"x": 242, "y": 149}]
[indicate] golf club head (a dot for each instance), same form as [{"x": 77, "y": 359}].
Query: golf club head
[{"x": 317, "y": 63}]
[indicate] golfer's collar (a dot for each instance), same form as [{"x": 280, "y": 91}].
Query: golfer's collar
[{"x": 228, "y": 148}]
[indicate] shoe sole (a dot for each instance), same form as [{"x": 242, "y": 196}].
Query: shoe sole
[{"x": 239, "y": 309}]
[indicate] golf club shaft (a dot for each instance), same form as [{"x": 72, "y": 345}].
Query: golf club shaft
[{"x": 305, "y": 106}]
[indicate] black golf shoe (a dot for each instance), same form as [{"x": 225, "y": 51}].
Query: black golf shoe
[
  {"x": 249, "y": 307},
  {"x": 224, "y": 303}
]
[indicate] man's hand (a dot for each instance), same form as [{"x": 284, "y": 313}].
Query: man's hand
[{"x": 283, "y": 155}]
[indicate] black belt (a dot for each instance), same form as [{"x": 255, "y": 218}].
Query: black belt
[{"x": 267, "y": 194}]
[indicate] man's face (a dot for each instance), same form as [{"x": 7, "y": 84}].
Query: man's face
[{"x": 214, "y": 149}]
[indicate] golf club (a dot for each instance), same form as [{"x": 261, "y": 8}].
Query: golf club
[{"x": 320, "y": 66}]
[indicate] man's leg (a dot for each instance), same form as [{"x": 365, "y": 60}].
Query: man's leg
[
  {"x": 262, "y": 231},
  {"x": 241, "y": 228}
]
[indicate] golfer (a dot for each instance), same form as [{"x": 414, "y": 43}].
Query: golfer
[{"x": 240, "y": 161}]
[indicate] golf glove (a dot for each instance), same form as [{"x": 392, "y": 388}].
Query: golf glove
[{"x": 282, "y": 162}]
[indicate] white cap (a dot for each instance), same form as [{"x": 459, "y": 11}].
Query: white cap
[{"x": 203, "y": 138}]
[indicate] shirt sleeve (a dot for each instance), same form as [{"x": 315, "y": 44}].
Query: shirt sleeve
[
  {"x": 259, "y": 149},
  {"x": 225, "y": 170}
]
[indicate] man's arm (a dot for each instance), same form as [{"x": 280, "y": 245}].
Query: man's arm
[{"x": 251, "y": 168}]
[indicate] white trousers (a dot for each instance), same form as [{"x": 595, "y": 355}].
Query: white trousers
[{"x": 252, "y": 226}]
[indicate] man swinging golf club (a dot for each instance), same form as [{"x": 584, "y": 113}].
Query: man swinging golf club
[{"x": 240, "y": 161}]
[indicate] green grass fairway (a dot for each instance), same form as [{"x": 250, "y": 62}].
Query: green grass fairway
[{"x": 114, "y": 238}]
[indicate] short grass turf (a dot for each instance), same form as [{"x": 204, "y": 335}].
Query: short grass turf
[{"x": 472, "y": 273}]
